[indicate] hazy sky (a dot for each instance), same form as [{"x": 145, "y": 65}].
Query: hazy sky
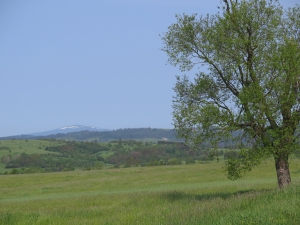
[{"x": 91, "y": 62}]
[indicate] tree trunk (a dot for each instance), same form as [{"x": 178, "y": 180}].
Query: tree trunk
[{"x": 283, "y": 172}]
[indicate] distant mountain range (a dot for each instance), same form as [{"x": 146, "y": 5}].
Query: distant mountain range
[
  {"x": 68, "y": 129},
  {"x": 62, "y": 130},
  {"x": 144, "y": 134},
  {"x": 89, "y": 133}
]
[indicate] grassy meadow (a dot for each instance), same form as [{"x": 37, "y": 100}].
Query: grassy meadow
[
  {"x": 17, "y": 147},
  {"x": 26, "y": 146},
  {"x": 183, "y": 194}
]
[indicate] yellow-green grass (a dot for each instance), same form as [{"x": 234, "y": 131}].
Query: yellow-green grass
[
  {"x": 2, "y": 167},
  {"x": 185, "y": 194},
  {"x": 26, "y": 146}
]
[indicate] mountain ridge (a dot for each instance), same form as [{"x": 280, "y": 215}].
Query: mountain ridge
[
  {"x": 88, "y": 133},
  {"x": 68, "y": 129},
  {"x": 126, "y": 134},
  {"x": 61, "y": 130}
]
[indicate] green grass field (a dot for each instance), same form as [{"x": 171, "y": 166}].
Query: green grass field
[
  {"x": 185, "y": 194},
  {"x": 14, "y": 147},
  {"x": 26, "y": 146}
]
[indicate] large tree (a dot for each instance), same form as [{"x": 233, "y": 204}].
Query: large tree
[{"x": 248, "y": 93}]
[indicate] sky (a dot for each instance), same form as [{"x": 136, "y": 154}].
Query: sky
[{"x": 92, "y": 62}]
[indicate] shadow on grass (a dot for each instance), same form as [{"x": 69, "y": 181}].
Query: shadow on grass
[{"x": 178, "y": 195}]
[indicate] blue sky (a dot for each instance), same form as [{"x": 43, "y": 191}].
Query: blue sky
[{"x": 92, "y": 62}]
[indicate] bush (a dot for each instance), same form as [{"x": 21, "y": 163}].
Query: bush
[
  {"x": 161, "y": 162},
  {"x": 14, "y": 171},
  {"x": 203, "y": 158},
  {"x": 231, "y": 154},
  {"x": 68, "y": 169},
  {"x": 190, "y": 161},
  {"x": 127, "y": 165},
  {"x": 174, "y": 161},
  {"x": 99, "y": 165}
]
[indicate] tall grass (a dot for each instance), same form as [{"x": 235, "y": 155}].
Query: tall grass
[{"x": 187, "y": 194}]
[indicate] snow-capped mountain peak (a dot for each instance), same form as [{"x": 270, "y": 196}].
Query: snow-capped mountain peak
[{"x": 69, "y": 129}]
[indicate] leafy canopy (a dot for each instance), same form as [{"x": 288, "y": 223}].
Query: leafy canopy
[{"x": 248, "y": 94}]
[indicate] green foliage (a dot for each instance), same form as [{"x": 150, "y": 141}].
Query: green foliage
[
  {"x": 57, "y": 156},
  {"x": 174, "y": 161},
  {"x": 190, "y": 161},
  {"x": 99, "y": 165},
  {"x": 152, "y": 154},
  {"x": 249, "y": 96},
  {"x": 68, "y": 155},
  {"x": 14, "y": 171},
  {"x": 4, "y": 148}
]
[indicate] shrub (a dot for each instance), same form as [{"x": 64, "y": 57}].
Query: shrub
[
  {"x": 174, "y": 161},
  {"x": 190, "y": 161},
  {"x": 99, "y": 165},
  {"x": 14, "y": 171},
  {"x": 127, "y": 165}
]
